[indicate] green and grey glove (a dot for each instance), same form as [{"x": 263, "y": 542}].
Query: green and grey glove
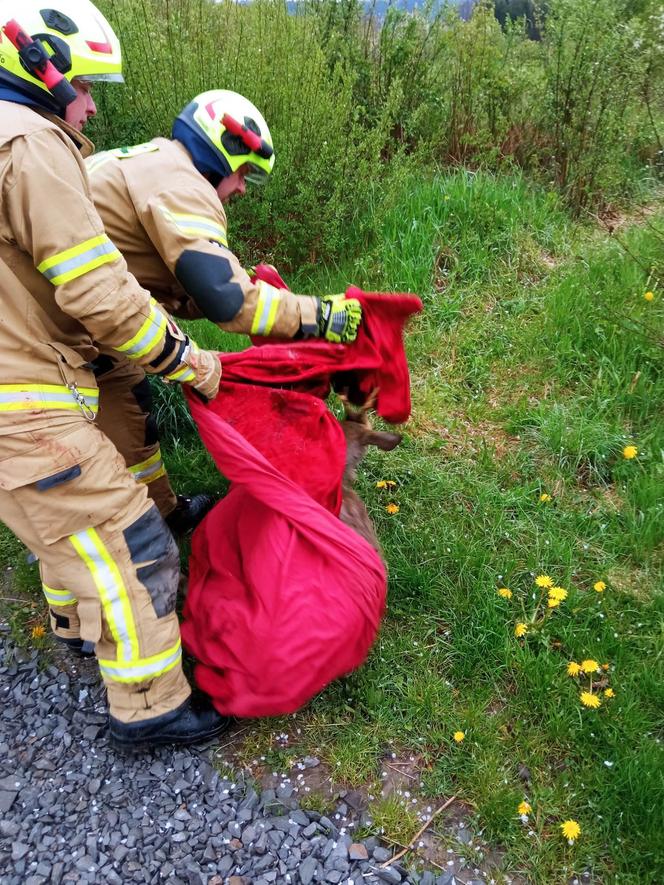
[{"x": 338, "y": 318}]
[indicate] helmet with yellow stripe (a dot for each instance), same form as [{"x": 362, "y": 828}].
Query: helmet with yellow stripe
[
  {"x": 71, "y": 39},
  {"x": 223, "y": 131}
]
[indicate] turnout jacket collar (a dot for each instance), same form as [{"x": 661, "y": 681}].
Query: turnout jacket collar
[{"x": 82, "y": 142}]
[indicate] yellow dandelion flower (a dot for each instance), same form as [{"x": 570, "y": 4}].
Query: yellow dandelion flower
[
  {"x": 459, "y": 736},
  {"x": 505, "y": 592},
  {"x": 392, "y": 508},
  {"x": 524, "y": 808},
  {"x": 558, "y": 593},
  {"x": 552, "y": 602},
  {"x": 648, "y": 296},
  {"x": 544, "y": 497},
  {"x": 390, "y": 483},
  {"x": 599, "y": 586},
  {"x": 630, "y": 452},
  {"x": 543, "y": 581},
  {"x": 381, "y": 484},
  {"x": 589, "y": 666},
  {"x": 609, "y": 693},
  {"x": 573, "y": 669},
  {"x": 570, "y": 830},
  {"x": 38, "y": 632},
  {"x": 588, "y": 699},
  {"x": 520, "y": 630}
]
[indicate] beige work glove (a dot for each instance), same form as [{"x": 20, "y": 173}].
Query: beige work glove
[
  {"x": 201, "y": 369},
  {"x": 206, "y": 367}
]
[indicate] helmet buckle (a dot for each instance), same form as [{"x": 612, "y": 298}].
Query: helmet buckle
[
  {"x": 37, "y": 62},
  {"x": 254, "y": 142}
]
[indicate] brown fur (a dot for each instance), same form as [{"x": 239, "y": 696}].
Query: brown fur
[{"x": 359, "y": 436}]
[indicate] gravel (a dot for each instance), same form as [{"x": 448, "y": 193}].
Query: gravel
[{"x": 75, "y": 810}]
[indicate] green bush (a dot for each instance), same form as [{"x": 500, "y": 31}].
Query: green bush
[{"x": 354, "y": 103}]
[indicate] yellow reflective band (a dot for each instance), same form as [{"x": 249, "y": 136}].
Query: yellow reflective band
[
  {"x": 58, "y": 597},
  {"x": 266, "y": 309},
  {"x": 136, "y": 150},
  {"x": 79, "y": 260},
  {"x": 151, "y": 333},
  {"x": 197, "y": 226},
  {"x": 19, "y": 397},
  {"x": 46, "y": 388},
  {"x": 112, "y": 591},
  {"x": 184, "y": 374},
  {"x": 143, "y": 668},
  {"x": 150, "y": 469}
]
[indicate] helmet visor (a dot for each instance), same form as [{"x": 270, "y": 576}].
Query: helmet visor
[
  {"x": 256, "y": 175},
  {"x": 103, "y": 78}
]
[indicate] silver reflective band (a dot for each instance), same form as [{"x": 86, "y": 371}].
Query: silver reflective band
[
  {"x": 110, "y": 591},
  {"x": 80, "y": 260},
  {"x": 152, "y": 330},
  {"x": 197, "y": 225},
  {"x": 58, "y": 597},
  {"x": 202, "y": 227},
  {"x": 266, "y": 309},
  {"x": 47, "y": 397},
  {"x": 140, "y": 475},
  {"x": 148, "y": 668}
]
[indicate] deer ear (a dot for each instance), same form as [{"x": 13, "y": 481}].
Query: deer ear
[{"x": 383, "y": 439}]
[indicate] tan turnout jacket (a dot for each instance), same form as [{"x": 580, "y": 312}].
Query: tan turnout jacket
[
  {"x": 170, "y": 225},
  {"x": 63, "y": 282}
]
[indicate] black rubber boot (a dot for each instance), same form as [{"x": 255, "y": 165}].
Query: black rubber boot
[
  {"x": 78, "y": 647},
  {"x": 188, "y": 513},
  {"x": 193, "y": 722}
]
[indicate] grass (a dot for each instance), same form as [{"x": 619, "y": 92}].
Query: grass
[{"x": 536, "y": 361}]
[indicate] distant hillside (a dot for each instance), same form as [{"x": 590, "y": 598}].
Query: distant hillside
[{"x": 380, "y": 7}]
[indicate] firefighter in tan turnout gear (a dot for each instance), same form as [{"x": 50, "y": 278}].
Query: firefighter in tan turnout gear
[
  {"x": 162, "y": 206},
  {"x": 109, "y": 564}
]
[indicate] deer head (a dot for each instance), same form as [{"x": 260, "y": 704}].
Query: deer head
[{"x": 360, "y": 434}]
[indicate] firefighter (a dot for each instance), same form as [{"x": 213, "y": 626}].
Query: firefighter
[
  {"x": 162, "y": 205},
  {"x": 108, "y": 563}
]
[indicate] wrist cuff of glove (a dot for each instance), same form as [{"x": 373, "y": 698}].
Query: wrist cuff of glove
[{"x": 310, "y": 317}]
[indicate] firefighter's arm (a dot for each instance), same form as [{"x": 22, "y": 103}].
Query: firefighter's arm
[
  {"x": 55, "y": 221},
  {"x": 188, "y": 229}
]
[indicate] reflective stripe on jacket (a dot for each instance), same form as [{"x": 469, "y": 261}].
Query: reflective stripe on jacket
[
  {"x": 63, "y": 282},
  {"x": 171, "y": 228}
]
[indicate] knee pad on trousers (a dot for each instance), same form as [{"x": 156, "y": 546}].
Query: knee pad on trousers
[{"x": 157, "y": 559}]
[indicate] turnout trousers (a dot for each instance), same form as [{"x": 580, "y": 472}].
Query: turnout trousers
[
  {"x": 109, "y": 565},
  {"x": 125, "y": 416}
]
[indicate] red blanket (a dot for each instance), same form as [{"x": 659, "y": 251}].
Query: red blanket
[
  {"x": 283, "y": 597},
  {"x": 376, "y": 360}
]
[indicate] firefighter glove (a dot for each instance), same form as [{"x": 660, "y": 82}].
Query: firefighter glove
[
  {"x": 338, "y": 318},
  {"x": 206, "y": 368}
]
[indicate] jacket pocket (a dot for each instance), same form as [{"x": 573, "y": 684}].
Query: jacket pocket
[{"x": 74, "y": 367}]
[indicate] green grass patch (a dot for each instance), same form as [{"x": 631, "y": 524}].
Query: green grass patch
[{"x": 536, "y": 362}]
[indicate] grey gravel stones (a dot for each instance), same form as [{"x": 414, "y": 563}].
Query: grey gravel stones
[{"x": 73, "y": 810}]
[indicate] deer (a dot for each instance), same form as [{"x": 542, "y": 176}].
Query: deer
[{"x": 359, "y": 436}]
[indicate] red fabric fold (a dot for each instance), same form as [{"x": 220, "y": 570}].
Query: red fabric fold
[{"x": 376, "y": 360}]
